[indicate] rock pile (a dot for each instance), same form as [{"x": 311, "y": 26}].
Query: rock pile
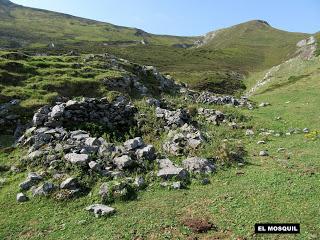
[
  {"x": 182, "y": 140},
  {"x": 8, "y": 119},
  {"x": 118, "y": 114},
  {"x": 212, "y": 115},
  {"x": 210, "y": 98},
  {"x": 173, "y": 119}
]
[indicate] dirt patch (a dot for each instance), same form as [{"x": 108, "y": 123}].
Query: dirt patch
[{"x": 199, "y": 225}]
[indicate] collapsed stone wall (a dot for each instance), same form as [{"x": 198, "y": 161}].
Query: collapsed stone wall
[{"x": 118, "y": 114}]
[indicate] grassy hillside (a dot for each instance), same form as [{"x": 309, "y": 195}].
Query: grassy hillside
[
  {"x": 282, "y": 187},
  {"x": 256, "y": 42},
  {"x": 221, "y": 61},
  {"x": 219, "y": 64},
  {"x": 28, "y": 27}
]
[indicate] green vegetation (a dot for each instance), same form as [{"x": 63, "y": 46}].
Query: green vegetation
[
  {"x": 282, "y": 187},
  {"x": 236, "y": 51}
]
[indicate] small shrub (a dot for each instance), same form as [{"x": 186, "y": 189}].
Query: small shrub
[
  {"x": 193, "y": 111},
  {"x": 231, "y": 153}
]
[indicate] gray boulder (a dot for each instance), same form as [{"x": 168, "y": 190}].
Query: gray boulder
[
  {"x": 146, "y": 153},
  {"x": 70, "y": 183},
  {"x": 32, "y": 176},
  {"x": 167, "y": 173},
  {"x": 198, "y": 165},
  {"x": 26, "y": 185},
  {"x": 101, "y": 210},
  {"x": 43, "y": 190},
  {"x": 95, "y": 166},
  {"x": 124, "y": 161},
  {"x": 169, "y": 170},
  {"x": 133, "y": 144},
  {"x": 21, "y": 197},
  {"x": 57, "y": 111},
  {"x": 75, "y": 158},
  {"x": 263, "y": 153},
  {"x": 92, "y": 142}
]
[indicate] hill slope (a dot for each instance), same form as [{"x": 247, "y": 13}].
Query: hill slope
[
  {"x": 28, "y": 27},
  {"x": 220, "y": 62}
]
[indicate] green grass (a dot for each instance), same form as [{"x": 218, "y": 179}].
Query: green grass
[{"x": 279, "y": 188}]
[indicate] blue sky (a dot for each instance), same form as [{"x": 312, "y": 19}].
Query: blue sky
[{"x": 190, "y": 17}]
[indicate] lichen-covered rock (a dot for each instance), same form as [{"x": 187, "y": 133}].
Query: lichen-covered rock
[
  {"x": 182, "y": 140},
  {"x": 173, "y": 119},
  {"x": 101, "y": 210},
  {"x": 43, "y": 190},
  {"x": 123, "y": 162},
  {"x": 146, "y": 153},
  {"x": 133, "y": 144},
  {"x": 168, "y": 170},
  {"x": 198, "y": 165},
  {"x": 78, "y": 159}
]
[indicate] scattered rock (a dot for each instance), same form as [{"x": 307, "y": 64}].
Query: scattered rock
[
  {"x": 198, "y": 165},
  {"x": 43, "y": 190},
  {"x": 140, "y": 182},
  {"x": 78, "y": 159},
  {"x": 146, "y": 153},
  {"x": 211, "y": 98},
  {"x": 306, "y": 130},
  {"x": 32, "y": 176},
  {"x": 123, "y": 162},
  {"x": 205, "y": 181},
  {"x": 95, "y": 166},
  {"x": 249, "y": 132},
  {"x": 21, "y": 197},
  {"x": 173, "y": 119},
  {"x": 261, "y": 142},
  {"x": 177, "y": 185},
  {"x": 101, "y": 210},
  {"x": 212, "y": 115},
  {"x": 153, "y": 102},
  {"x": 133, "y": 144},
  {"x": 263, "y": 153},
  {"x": 70, "y": 183},
  {"x": 169, "y": 170},
  {"x": 182, "y": 140},
  {"x": 264, "y": 104}
]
